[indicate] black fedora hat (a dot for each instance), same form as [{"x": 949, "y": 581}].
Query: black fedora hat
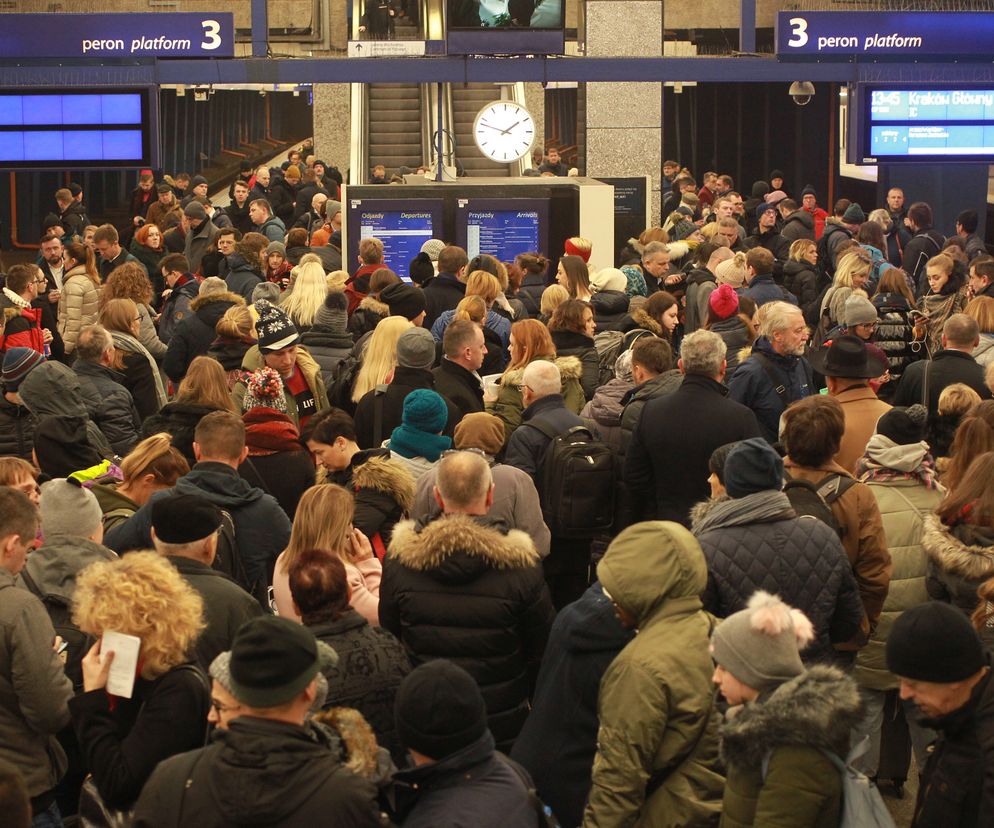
[{"x": 847, "y": 358}]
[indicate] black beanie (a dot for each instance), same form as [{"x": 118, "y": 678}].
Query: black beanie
[
  {"x": 439, "y": 709},
  {"x": 934, "y": 642},
  {"x": 776, "y": 174},
  {"x": 904, "y": 426},
  {"x": 752, "y": 466},
  {"x": 421, "y": 269}
]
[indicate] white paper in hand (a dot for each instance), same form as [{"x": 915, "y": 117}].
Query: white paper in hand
[{"x": 121, "y": 679}]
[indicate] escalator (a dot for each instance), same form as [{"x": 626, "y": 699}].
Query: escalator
[
  {"x": 393, "y": 126},
  {"x": 467, "y": 100}
]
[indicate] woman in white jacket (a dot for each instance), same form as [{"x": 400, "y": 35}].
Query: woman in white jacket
[{"x": 80, "y": 299}]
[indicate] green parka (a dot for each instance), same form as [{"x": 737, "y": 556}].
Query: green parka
[{"x": 656, "y": 705}]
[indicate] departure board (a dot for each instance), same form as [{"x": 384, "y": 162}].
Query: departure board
[{"x": 401, "y": 226}]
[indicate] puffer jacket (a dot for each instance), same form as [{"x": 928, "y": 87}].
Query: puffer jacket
[
  {"x": 465, "y": 589},
  {"x": 17, "y": 428},
  {"x": 801, "y": 279},
  {"x": 960, "y": 559},
  {"x": 904, "y": 506},
  {"x": 509, "y": 405},
  {"x": 305, "y": 364},
  {"x": 790, "y": 729},
  {"x": 110, "y": 405},
  {"x": 609, "y": 307},
  {"x": 798, "y": 225},
  {"x": 367, "y": 316},
  {"x": 180, "y": 420},
  {"x": 736, "y": 336},
  {"x": 581, "y": 346},
  {"x": 758, "y": 543},
  {"x": 193, "y": 336},
  {"x": 605, "y": 410},
  {"x": 751, "y": 385},
  {"x": 328, "y": 349},
  {"x": 78, "y": 305},
  {"x": 895, "y": 335},
  {"x": 635, "y": 400},
  {"x": 658, "y": 722},
  {"x": 863, "y": 538}
]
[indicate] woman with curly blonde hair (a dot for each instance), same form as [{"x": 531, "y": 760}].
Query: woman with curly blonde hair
[
  {"x": 129, "y": 281},
  {"x": 324, "y": 521},
  {"x": 123, "y": 739},
  {"x": 306, "y": 296},
  {"x": 380, "y": 357}
]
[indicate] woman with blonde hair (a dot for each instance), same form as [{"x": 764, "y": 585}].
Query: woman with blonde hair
[
  {"x": 235, "y": 336},
  {"x": 306, "y": 296},
  {"x": 129, "y": 281},
  {"x": 530, "y": 340},
  {"x": 324, "y": 521},
  {"x": 204, "y": 389},
  {"x": 982, "y": 309},
  {"x": 800, "y": 274},
  {"x": 122, "y": 319},
  {"x": 380, "y": 356},
  {"x": 151, "y": 466},
  {"x": 487, "y": 287},
  {"x": 946, "y": 295},
  {"x": 851, "y": 273},
  {"x": 123, "y": 739},
  {"x": 79, "y": 301},
  {"x": 552, "y": 297}
]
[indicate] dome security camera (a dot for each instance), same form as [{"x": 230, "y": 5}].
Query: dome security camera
[{"x": 802, "y": 92}]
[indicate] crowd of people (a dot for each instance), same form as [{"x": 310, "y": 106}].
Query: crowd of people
[{"x": 288, "y": 540}]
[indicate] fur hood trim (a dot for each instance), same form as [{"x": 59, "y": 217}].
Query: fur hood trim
[
  {"x": 223, "y": 296},
  {"x": 371, "y": 303},
  {"x": 951, "y": 554},
  {"x": 701, "y": 510},
  {"x": 569, "y": 367},
  {"x": 357, "y": 736},
  {"x": 817, "y": 709},
  {"x": 384, "y": 474},
  {"x": 643, "y": 320},
  {"x": 428, "y": 548}
]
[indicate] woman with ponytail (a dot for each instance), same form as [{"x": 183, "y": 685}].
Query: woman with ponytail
[
  {"x": 788, "y": 728},
  {"x": 79, "y": 302}
]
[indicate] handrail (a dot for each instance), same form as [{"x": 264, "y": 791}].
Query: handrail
[{"x": 359, "y": 133}]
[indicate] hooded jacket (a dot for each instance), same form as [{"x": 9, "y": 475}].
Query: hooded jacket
[
  {"x": 391, "y": 397},
  {"x": 443, "y": 293},
  {"x": 758, "y": 542},
  {"x": 109, "y": 404},
  {"x": 179, "y": 420},
  {"x": 559, "y": 739},
  {"x": 468, "y": 590},
  {"x": 634, "y": 401},
  {"x": 790, "y": 729},
  {"x": 798, "y": 225},
  {"x": 658, "y": 724},
  {"x": 243, "y": 277},
  {"x": 17, "y": 428},
  {"x": 609, "y": 307},
  {"x": 367, "y": 316},
  {"x": 78, "y": 305},
  {"x": 193, "y": 336},
  {"x": 177, "y": 307},
  {"x": 310, "y": 370},
  {"x": 259, "y": 773},
  {"x": 262, "y": 529},
  {"x": 581, "y": 346},
  {"x": 605, "y": 409},
  {"x": 199, "y": 241},
  {"x": 701, "y": 283},
  {"x": 801, "y": 279}
]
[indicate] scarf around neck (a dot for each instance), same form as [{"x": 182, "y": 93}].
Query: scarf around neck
[
  {"x": 410, "y": 443},
  {"x": 755, "y": 508},
  {"x": 126, "y": 342}
]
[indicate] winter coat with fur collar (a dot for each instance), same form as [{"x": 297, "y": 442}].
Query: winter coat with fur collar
[
  {"x": 466, "y": 589},
  {"x": 792, "y": 726}
]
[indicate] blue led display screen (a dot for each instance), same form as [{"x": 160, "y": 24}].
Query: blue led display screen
[
  {"x": 402, "y": 225},
  {"x": 502, "y": 227},
  {"x": 82, "y": 130}
]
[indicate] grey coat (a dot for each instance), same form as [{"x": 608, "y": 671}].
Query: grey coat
[{"x": 605, "y": 409}]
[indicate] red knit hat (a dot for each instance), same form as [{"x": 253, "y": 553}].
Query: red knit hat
[{"x": 724, "y": 301}]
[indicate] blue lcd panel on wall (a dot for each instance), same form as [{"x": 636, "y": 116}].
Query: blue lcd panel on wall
[
  {"x": 502, "y": 227},
  {"x": 401, "y": 225},
  {"x": 95, "y": 129}
]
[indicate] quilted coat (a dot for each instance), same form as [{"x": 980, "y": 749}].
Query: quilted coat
[
  {"x": 78, "y": 305},
  {"x": 758, "y": 542}
]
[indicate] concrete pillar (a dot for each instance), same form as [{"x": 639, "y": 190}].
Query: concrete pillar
[
  {"x": 624, "y": 120},
  {"x": 331, "y": 124}
]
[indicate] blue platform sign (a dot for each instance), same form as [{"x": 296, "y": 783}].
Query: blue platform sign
[
  {"x": 888, "y": 35},
  {"x": 114, "y": 35}
]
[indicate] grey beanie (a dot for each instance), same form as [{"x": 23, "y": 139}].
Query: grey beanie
[
  {"x": 276, "y": 247},
  {"x": 333, "y": 314},
  {"x": 270, "y": 291},
  {"x": 859, "y": 311},
  {"x": 761, "y": 644},
  {"x": 220, "y": 671},
  {"x": 69, "y": 509},
  {"x": 416, "y": 349}
]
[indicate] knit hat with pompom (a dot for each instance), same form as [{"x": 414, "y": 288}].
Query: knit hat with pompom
[
  {"x": 761, "y": 644},
  {"x": 264, "y": 389}
]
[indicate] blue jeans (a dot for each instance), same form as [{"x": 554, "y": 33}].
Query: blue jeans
[
  {"x": 921, "y": 737},
  {"x": 49, "y": 818}
]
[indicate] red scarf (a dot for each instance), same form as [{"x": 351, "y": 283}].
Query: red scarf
[{"x": 268, "y": 431}]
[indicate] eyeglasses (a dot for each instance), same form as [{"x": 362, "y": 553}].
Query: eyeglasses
[
  {"x": 41, "y": 281},
  {"x": 522, "y": 388},
  {"x": 221, "y": 707},
  {"x": 471, "y": 449}
]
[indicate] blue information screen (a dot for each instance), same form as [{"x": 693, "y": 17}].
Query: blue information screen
[
  {"x": 920, "y": 124},
  {"x": 91, "y": 129},
  {"x": 401, "y": 231},
  {"x": 503, "y": 227}
]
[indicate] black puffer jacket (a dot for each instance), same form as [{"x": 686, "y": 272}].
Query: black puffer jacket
[
  {"x": 610, "y": 307},
  {"x": 405, "y": 380},
  {"x": 895, "y": 336},
  {"x": 371, "y": 666},
  {"x": 634, "y": 401},
  {"x": 194, "y": 334},
  {"x": 180, "y": 420},
  {"x": 530, "y": 293},
  {"x": 758, "y": 542},
  {"x": 735, "y": 335},
  {"x": 242, "y": 277},
  {"x": 328, "y": 349},
  {"x": 581, "y": 346},
  {"x": 801, "y": 279},
  {"x": 110, "y": 405},
  {"x": 473, "y": 593},
  {"x": 17, "y": 428},
  {"x": 367, "y": 316}
]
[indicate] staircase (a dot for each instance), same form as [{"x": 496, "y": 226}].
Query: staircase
[
  {"x": 467, "y": 100},
  {"x": 394, "y": 128}
]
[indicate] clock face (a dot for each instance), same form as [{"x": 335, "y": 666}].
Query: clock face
[{"x": 504, "y": 131}]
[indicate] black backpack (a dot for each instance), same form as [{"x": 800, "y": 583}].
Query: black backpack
[
  {"x": 815, "y": 499},
  {"x": 228, "y": 560},
  {"x": 78, "y": 642},
  {"x": 342, "y": 382},
  {"x": 825, "y": 266},
  {"x": 579, "y": 479}
]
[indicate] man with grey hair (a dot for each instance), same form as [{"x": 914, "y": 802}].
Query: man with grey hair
[
  {"x": 656, "y": 267},
  {"x": 775, "y": 374},
  {"x": 666, "y": 465},
  {"x": 108, "y": 402}
]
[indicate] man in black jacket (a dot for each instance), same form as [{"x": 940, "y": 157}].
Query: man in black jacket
[
  {"x": 940, "y": 662},
  {"x": 381, "y": 410},
  {"x": 457, "y": 377},
  {"x": 447, "y": 289},
  {"x": 269, "y": 767},
  {"x": 924, "y": 244},
  {"x": 666, "y": 465},
  {"x": 952, "y": 364},
  {"x": 109, "y": 403},
  {"x": 185, "y": 530}
]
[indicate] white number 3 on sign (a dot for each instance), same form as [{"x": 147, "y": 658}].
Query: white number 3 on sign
[
  {"x": 212, "y": 38},
  {"x": 799, "y": 32}
]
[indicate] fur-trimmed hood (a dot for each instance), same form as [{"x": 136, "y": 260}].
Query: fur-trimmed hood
[
  {"x": 643, "y": 320},
  {"x": 225, "y": 296},
  {"x": 971, "y": 561},
  {"x": 701, "y": 510},
  {"x": 569, "y": 367},
  {"x": 374, "y": 305},
  {"x": 461, "y": 546},
  {"x": 817, "y": 709},
  {"x": 384, "y": 474}
]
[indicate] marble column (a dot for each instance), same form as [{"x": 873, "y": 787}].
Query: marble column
[
  {"x": 624, "y": 120},
  {"x": 332, "y": 124}
]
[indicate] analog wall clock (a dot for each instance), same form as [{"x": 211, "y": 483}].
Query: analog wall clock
[{"x": 504, "y": 131}]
